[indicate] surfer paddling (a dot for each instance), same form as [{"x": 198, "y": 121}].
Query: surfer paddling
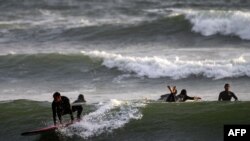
[
  {"x": 171, "y": 96},
  {"x": 182, "y": 97}
]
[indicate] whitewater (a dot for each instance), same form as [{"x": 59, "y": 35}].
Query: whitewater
[{"x": 121, "y": 55}]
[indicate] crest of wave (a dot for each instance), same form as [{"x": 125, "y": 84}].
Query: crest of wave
[
  {"x": 108, "y": 116},
  {"x": 211, "y": 22},
  {"x": 156, "y": 67}
]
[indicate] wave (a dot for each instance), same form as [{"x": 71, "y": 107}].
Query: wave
[
  {"x": 211, "y": 22},
  {"x": 59, "y": 4},
  {"x": 127, "y": 120},
  {"x": 163, "y": 22},
  {"x": 97, "y": 119},
  {"x": 156, "y": 67},
  {"x": 44, "y": 60},
  {"x": 108, "y": 116},
  {"x": 45, "y": 65},
  {"x": 160, "y": 28}
]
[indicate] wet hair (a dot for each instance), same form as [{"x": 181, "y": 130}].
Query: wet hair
[
  {"x": 183, "y": 92},
  {"x": 56, "y": 94},
  {"x": 226, "y": 85},
  {"x": 81, "y": 97}
]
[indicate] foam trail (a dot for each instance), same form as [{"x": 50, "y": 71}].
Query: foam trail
[
  {"x": 109, "y": 116},
  {"x": 211, "y": 22},
  {"x": 156, "y": 67}
]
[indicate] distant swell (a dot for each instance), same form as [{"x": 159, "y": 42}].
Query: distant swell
[
  {"x": 156, "y": 67},
  {"x": 211, "y": 22}
]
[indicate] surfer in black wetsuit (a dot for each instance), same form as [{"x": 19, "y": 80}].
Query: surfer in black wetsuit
[
  {"x": 172, "y": 95},
  {"x": 182, "y": 97},
  {"x": 227, "y": 95},
  {"x": 60, "y": 107},
  {"x": 77, "y": 105}
]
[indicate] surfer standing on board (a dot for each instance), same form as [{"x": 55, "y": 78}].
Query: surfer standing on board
[{"x": 60, "y": 107}]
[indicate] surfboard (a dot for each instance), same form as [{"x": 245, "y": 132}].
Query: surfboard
[
  {"x": 78, "y": 104},
  {"x": 51, "y": 128}
]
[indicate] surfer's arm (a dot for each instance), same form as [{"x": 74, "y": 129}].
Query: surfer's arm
[
  {"x": 220, "y": 97},
  {"x": 235, "y": 97},
  {"x": 70, "y": 110},
  {"x": 196, "y": 97},
  {"x": 189, "y": 98},
  {"x": 54, "y": 113}
]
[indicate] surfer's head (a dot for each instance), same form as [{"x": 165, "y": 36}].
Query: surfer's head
[
  {"x": 227, "y": 86},
  {"x": 57, "y": 96},
  {"x": 183, "y": 92},
  {"x": 81, "y": 97}
]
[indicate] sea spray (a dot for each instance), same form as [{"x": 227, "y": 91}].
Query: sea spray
[{"x": 109, "y": 116}]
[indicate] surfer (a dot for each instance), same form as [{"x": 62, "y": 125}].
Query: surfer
[
  {"x": 77, "y": 105},
  {"x": 60, "y": 107},
  {"x": 227, "y": 94},
  {"x": 182, "y": 97},
  {"x": 171, "y": 96}
]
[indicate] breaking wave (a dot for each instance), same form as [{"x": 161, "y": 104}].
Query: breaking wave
[
  {"x": 211, "y": 22},
  {"x": 109, "y": 116},
  {"x": 156, "y": 67}
]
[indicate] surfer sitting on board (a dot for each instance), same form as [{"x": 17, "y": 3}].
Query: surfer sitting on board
[
  {"x": 182, "y": 97},
  {"x": 77, "y": 105},
  {"x": 60, "y": 107},
  {"x": 227, "y": 95}
]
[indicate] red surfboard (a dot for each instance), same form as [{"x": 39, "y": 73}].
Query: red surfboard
[{"x": 45, "y": 129}]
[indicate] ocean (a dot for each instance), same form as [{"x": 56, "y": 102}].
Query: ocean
[{"x": 121, "y": 54}]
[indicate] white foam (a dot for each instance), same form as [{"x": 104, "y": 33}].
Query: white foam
[
  {"x": 156, "y": 66},
  {"x": 56, "y": 19},
  {"x": 108, "y": 116},
  {"x": 211, "y": 22}
]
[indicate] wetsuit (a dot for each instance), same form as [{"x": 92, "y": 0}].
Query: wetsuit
[
  {"x": 227, "y": 96},
  {"x": 61, "y": 108},
  {"x": 164, "y": 97},
  {"x": 183, "y": 98},
  {"x": 78, "y": 108},
  {"x": 170, "y": 98}
]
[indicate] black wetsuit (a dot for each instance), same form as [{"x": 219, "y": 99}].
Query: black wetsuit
[
  {"x": 183, "y": 98},
  {"x": 171, "y": 98},
  {"x": 164, "y": 97},
  {"x": 61, "y": 108},
  {"x": 227, "y": 96},
  {"x": 78, "y": 108}
]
